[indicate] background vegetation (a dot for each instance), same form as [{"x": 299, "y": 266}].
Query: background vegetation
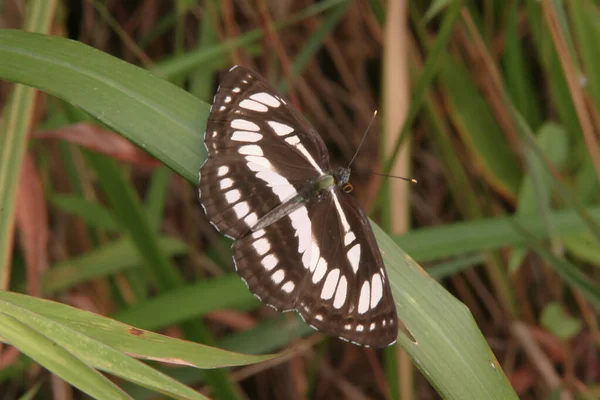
[{"x": 493, "y": 106}]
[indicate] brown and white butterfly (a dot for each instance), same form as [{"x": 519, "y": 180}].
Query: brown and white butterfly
[{"x": 300, "y": 241}]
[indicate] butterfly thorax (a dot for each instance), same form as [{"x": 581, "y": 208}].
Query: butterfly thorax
[
  {"x": 337, "y": 177},
  {"x": 317, "y": 187}
]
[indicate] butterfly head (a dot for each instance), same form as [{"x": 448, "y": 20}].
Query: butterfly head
[{"x": 341, "y": 175}]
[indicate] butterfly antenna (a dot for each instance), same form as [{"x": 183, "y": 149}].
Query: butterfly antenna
[
  {"x": 411, "y": 180},
  {"x": 360, "y": 145},
  {"x": 363, "y": 138}
]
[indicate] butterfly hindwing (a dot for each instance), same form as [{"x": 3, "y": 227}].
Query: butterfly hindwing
[
  {"x": 322, "y": 260},
  {"x": 269, "y": 262},
  {"x": 367, "y": 316},
  {"x": 261, "y": 151}
]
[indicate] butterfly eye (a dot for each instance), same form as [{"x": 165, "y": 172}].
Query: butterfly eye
[{"x": 347, "y": 188}]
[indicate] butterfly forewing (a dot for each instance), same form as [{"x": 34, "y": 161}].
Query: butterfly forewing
[
  {"x": 260, "y": 153},
  {"x": 319, "y": 255}
]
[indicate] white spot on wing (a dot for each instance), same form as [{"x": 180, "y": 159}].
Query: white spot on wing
[
  {"x": 232, "y": 196},
  {"x": 319, "y": 317},
  {"x": 266, "y": 98},
  {"x": 272, "y": 178},
  {"x": 280, "y": 186},
  {"x": 225, "y": 183},
  {"x": 303, "y": 226},
  {"x": 246, "y": 136},
  {"x": 251, "y": 219},
  {"x": 310, "y": 158},
  {"x": 253, "y": 105},
  {"x": 280, "y": 129},
  {"x": 235, "y": 90},
  {"x": 288, "y": 287},
  {"x": 354, "y": 257},
  {"x": 269, "y": 262},
  {"x": 315, "y": 253},
  {"x": 376, "y": 290},
  {"x": 223, "y": 170},
  {"x": 349, "y": 238},
  {"x": 338, "y": 207},
  {"x": 340, "y": 293},
  {"x": 365, "y": 298},
  {"x": 244, "y": 125},
  {"x": 372, "y": 326},
  {"x": 227, "y": 99},
  {"x": 320, "y": 270},
  {"x": 251, "y": 150},
  {"x": 330, "y": 284},
  {"x": 360, "y": 328},
  {"x": 241, "y": 209},
  {"x": 293, "y": 140},
  {"x": 258, "y": 163},
  {"x": 278, "y": 276},
  {"x": 262, "y": 246}
]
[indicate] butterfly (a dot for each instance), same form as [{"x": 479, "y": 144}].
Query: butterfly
[{"x": 301, "y": 242}]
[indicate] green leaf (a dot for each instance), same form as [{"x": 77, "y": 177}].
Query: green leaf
[
  {"x": 535, "y": 193},
  {"x": 270, "y": 335},
  {"x": 133, "y": 218},
  {"x": 559, "y": 91},
  {"x": 91, "y": 212},
  {"x": 556, "y": 320},
  {"x": 520, "y": 82},
  {"x": 472, "y": 116},
  {"x": 566, "y": 270},
  {"x": 96, "y": 354},
  {"x": 31, "y": 393},
  {"x": 117, "y": 256},
  {"x": 190, "y": 302},
  {"x": 122, "y": 337},
  {"x": 585, "y": 16},
  {"x": 15, "y": 126},
  {"x": 584, "y": 246},
  {"x": 436, "y": 7},
  {"x": 56, "y": 359},
  {"x": 487, "y": 234},
  {"x": 116, "y": 86}
]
